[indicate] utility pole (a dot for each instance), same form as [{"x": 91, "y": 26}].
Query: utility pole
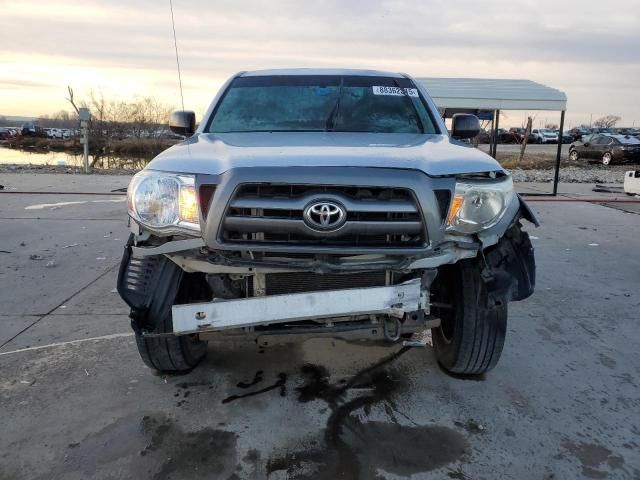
[
  {"x": 591, "y": 120},
  {"x": 84, "y": 115}
]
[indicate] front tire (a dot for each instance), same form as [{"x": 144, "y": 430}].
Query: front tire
[
  {"x": 573, "y": 155},
  {"x": 170, "y": 353},
  {"x": 473, "y": 326},
  {"x": 606, "y": 158}
]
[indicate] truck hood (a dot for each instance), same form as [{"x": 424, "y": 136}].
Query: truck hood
[{"x": 216, "y": 153}]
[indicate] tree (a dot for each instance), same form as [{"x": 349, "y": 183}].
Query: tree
[
  {"x": 525, "y": 137},
  {"x": 71, "y": 100},
  {"x": 552, "y": 126},
  {"x": 112, "y": 120},
  {"x": 607, "y": 121}
]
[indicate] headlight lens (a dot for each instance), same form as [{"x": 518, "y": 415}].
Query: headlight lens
[
  {"x": 164, "y": 201},
  {"x": 479, "y": 205}
]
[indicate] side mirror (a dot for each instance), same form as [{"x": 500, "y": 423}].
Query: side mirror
[
  {"x": 586, "y": 144},
  {"x": 464, "y": 125},
  {"x": 183, "y": 122}
]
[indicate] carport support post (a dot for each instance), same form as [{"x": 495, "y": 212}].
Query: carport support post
[
  {"x": 558, "y": 154},
  {"x": 495, "y": 134},
  {"x": 493, "y": 121}
]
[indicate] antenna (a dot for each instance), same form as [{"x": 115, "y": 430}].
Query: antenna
[{"x": 175, "y": 43}]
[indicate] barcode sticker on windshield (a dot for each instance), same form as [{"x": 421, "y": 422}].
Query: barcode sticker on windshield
[{"x": 395, "y": 91}]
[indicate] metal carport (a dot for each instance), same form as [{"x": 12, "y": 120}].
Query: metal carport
[{"x": 473, "y": 95}]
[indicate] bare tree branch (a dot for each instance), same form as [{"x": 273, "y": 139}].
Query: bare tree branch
[
  {"x": 70, "y": 99},
  {"x": 607, "y": 121}
]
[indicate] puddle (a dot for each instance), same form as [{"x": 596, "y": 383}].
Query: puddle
[
  {"x": 357, "y": 449},
  {"x": 593, "y": 458},
  {"x": 151, "y": 446}
]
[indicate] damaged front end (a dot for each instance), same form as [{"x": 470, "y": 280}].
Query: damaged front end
[{"x": 258, "y": 271}]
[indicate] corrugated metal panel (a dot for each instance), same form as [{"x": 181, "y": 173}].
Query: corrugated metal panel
[{"x": 491, "y": 94}]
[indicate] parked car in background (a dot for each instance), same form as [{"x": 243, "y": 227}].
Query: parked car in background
[
  {"x": 602, "y": 130},
  {"x": 606, "y": 148},
  {"x": 32, "y": 130},
  {"x": 566, "y": 137},
  {"x": 544, "y": 135},
  {"x": 578, "y": 132},
  {"x": 9, "y": 132},
  {"x": 629, "y": 131},
  {"x": 518, "y": 134},
  {"x": 503, "y": 136},
  {"x": 5, "y": 133}
]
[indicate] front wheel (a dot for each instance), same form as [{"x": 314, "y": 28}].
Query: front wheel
[
  {"x": 170, "y": 353},
  {"x": 606, "y": 158},
  {"x": 573, "y": 155},
  {"x": 473, "y": 326}
]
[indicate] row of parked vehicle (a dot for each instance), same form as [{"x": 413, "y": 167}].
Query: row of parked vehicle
[
  {"x": 31, "y": 130},
  {"x": 7, "y": 133},
  {"x": 58, "y": 132},
  {"x": 548, "y": 135}
]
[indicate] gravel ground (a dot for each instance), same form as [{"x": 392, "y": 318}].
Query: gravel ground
[
  {"x": 30, "y": 168},
  {"x": 590, "y": 174}
]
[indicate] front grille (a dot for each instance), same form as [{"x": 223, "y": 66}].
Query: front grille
[
  {"x": 285, "y": 283},
  {"x": 273, "y": 214}
]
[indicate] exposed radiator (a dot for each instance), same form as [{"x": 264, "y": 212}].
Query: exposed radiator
[{"x": 283, "y": 283}]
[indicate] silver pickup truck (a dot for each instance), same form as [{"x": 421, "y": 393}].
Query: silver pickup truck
[{"x": 324, "y": 203}]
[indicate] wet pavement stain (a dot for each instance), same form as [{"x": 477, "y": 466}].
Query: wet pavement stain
[
  {"x": 593, "y": 458},
  {"x": 356, "y": 450},
  {"x": 257, "y": 378},
  {"x": 152, "y": 446},
  {"x": 281, "y": 383}
]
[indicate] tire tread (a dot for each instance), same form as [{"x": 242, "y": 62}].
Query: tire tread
[{"x": 167, "y": 354}]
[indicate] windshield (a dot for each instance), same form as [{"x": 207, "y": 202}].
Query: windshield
[{"x": 302, "y": 103}]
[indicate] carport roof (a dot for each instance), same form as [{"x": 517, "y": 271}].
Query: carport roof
[{"x": 493, "y": 94}]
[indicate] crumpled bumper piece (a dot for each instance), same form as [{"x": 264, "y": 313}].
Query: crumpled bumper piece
[{"x": 393, "y": 300}]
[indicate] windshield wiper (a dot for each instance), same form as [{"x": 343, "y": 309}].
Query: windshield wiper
[
  {"x": 415, "y": 110},
  {"x": 331, "y": 119}
]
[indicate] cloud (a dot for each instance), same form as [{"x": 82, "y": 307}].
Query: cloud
[{"x": 127, "y": 46}]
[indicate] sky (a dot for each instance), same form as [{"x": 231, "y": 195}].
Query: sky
[{"x": 124, "y": 49}]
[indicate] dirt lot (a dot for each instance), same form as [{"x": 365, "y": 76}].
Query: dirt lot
[{"x": 77, "y": 402}]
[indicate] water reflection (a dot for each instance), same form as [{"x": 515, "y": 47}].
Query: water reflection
[{"x": 65, "y": 159}]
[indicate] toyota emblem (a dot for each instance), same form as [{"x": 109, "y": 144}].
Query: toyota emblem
[{"x": 324, "y": 215}]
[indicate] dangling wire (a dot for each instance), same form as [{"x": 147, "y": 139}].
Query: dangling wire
[{"x": 175, "y": 43}]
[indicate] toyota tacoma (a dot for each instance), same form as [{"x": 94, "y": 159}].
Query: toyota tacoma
[{"x": 333, "y": 203}]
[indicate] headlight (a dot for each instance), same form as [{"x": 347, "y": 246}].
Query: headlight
[
  {"x": 479, "y": 205},
  {"x": 164, "y": 201}
]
